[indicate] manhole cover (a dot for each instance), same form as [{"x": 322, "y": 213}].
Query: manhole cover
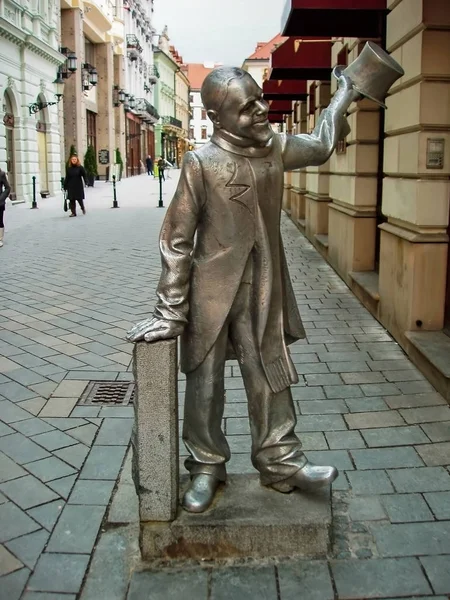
[{"x": 112, "y": 393}]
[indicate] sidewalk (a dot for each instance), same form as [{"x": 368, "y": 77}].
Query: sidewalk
[{"x": 69, "y": 290}]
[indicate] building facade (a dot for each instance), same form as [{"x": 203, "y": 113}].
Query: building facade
[
  {"x": 30, "y": 59},
  {"x": 168, "y": 130},
  {"x": 182, "y": 108},
  {"x": 378, "y": 210},
  {"x": 201, "y": 128},
  {"x": 258, "y": 63}
]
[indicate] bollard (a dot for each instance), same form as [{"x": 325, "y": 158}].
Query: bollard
[
  {"x": 160, "y": 203},
  {"x": 34, "y": 203},
  {"x": 115, "y": 205}
]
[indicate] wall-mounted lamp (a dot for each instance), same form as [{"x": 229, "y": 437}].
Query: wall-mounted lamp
[
  {"x": 70, "y": 66},
  {"x": 37, "y": 106},
  {"x": 89, "y": 76},
  {"x": 119, "y": 96}
]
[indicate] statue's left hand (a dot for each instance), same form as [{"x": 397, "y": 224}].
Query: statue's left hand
[
  {"x": 154, "y": 329},
  {"x": 346, "y": 83}
]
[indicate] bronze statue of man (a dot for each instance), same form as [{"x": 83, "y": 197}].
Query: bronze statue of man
[{"x": 225, "y": 286}]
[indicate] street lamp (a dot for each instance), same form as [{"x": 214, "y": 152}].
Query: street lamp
[
  {"x": 132, "y": 102},
  {"x": 35, "y": 107}
]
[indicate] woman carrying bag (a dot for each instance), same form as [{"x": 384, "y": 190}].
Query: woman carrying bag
[
  {"x": 5, "y": 190},
  {"x": 74, "y": 185}
]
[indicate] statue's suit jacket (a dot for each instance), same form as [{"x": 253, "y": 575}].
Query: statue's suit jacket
[{"x": 227, "y": 207}]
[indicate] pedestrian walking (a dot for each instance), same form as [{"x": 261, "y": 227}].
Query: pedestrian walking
[
  {"x": 149, "y": 164},
  {"x": 5, "y": 190},
  {"x": 162, "y": 164},
  {"x": 74, "y": 185}
]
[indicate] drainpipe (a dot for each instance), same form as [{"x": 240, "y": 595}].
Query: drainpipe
[{"x": 380, "y": 218}]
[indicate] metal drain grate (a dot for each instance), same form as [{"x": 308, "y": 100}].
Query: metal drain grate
[{"x": 111, "y": 393}]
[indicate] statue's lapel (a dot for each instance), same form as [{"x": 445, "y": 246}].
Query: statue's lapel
[{"x": 239, "y": 184}]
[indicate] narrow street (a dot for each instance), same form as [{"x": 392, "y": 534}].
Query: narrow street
[{"x": 70, "y": 288}]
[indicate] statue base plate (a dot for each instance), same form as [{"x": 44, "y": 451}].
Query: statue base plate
[{"x": 246, "y": 520}]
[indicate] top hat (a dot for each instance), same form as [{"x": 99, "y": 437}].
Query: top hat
[{"x": 372, "y": 73}]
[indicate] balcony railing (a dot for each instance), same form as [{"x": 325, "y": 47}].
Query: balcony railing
[
  {"x": 144, "y": 106},
  {"x": 133, "y": 42},
  {"x": 153, "y": 73},
  {"x": 172, "y": 121}
]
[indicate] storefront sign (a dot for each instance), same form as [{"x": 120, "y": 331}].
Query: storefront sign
[{"x": 103, "y": 157}]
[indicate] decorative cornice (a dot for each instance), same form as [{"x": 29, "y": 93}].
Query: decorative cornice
[{"x": 12, "y": 33}]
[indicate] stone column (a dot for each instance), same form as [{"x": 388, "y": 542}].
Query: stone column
[
  {"x": 155, "y": 433},
  {"x": 416, "y": 190},
  {"x": 354, "y": 184},
  {"x": 317, "y": 183},
  {"x": 74, "y": 104},
  {"x": 104, "y": 58}
]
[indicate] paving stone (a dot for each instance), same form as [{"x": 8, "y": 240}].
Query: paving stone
[
  {"x": 109, "y": 571},
  {"x": 342, "y": 391},
  {"x": 92, "y": 492},
  {"x": 103, "y": 462},
  {"x": 373, "y": 419},
  {"x": 9, "y": 469},
  {"x": 91, "y": 375},
  {"x": 27, "y": 492},
  {"x": 14, "y": 522},
  {"x": 437, "y": 432},
  {"x": 438, "y": 573},
  {"x": 12, "y": 413},
  {"x": 54, "y": 440},
  {"x": 5, "y": 430},
  {"x": 74, "y": 455},
  {"x": 64, "y": 424},
  {"x": 435, "y": 454},
  {"x": 244, "y": 582},
  {"x": 25, "y": 377},
  {"x": 322, "y": 407},
  {"x": 44, "y": 389},
  {"x": 63, "y": 486},
  {"x": 425, "y": 479},
  {"x": 58, "y": 407},
  {"x": 21, "y": 449},
  {"x": 70, "y": 389},
  {"x": 15, "y": 392},
  {"x": 394, "y": 436},
  {"x": 439, "y": 502},
  {"x": 308, "y": 580},
  {"x": 412, "y": 539},
  {"x": 118, "y": 412},
  {"x": 356, "y": 377},
  {"x": 77, "y": 529},
  {"x": 305, "y": 393},
  {"x": 372, "y": 404},
  {"x": 321, "y": 423},
  {"x": 173, "y": 585},
  {"x": 12, "y": 585},
  {"x": 378, "y": 578},
  {"x": 338, "y": 458},
  {"x": 29, "y": 547},
  {"x": 40, "y": 350},
  {"x": 415, "y": 400},
  {"x": 386, "y": 458},
  {"x": 344, "y": 440},
  {"x": 406, "y": 508},
  {"x": 389, "y": 365},
  {"x": 65, "y": 362},
  {"x": 32, "y": 427},
  {"x": 320, "y": 379},
  {"x": 59, "y": 573},
  {"x": 8, "y": 562},
  {"x": 85, "y": 433},
  {"x": 85, "y": 411},
  {"x": 115, "y": 432},
  {"x": 426, "y": 415},
  {"x": 366, "y": 483},
  {"x": 47, "y": 514},
  {"x": 49, "y": 469},
  {"x": 366, "y": 508},
  {"x": 33, "y": 406}
]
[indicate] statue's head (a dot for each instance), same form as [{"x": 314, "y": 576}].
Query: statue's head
[{"x": 234, "y": 103}]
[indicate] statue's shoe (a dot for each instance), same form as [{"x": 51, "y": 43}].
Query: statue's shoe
[
  {"x": 308, "y": 478},
  {"x": 200, "y": 493}
]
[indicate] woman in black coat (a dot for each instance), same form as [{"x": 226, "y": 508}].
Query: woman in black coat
[
  {"x": 74, "y": 185},
  {"x": 5, "y": 190}
]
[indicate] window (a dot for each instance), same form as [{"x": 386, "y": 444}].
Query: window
[
  {"x": 191, "y": 133},
  {"x": 204, "y": 115},
  {"x": 204, "y": 133},
  {"x": 191, "y": 98},
  {"x": 89, "y": 52},
  {"x": 91, "y": 122}
]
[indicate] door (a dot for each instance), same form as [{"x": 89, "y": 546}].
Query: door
[
  {"x": 447, "y": 295},
  {"x": 43, "y": 160},
  {"x": 10, "y": 163}
]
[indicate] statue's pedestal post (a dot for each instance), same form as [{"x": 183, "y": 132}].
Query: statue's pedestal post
[{"x": 155, "y": 433}]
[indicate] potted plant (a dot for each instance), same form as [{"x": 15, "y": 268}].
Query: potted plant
[
  {"x": 90, "y": 166},
  {"x": 119, "y": 162},
  {"x": 72, "y": 152}
]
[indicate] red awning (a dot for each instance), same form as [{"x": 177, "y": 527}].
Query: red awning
[
  {"x": 302, "y": 58},
  {"x": 280, "y": 106},
  {"x": 345, "y": 18},
  {"x": 285, "y": 90}
]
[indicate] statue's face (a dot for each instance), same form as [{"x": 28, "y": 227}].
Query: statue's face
[{"x": 244, "y": 112}]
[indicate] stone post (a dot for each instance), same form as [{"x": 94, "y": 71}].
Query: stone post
[{"x": 155, "y": 432}]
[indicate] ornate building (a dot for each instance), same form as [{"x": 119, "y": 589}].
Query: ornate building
[
  {"x": 201, "y": 127},
  {"x": 30, "y": 59}
]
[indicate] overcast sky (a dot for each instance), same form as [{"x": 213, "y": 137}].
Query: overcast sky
[{"x": 218, "y": 30}]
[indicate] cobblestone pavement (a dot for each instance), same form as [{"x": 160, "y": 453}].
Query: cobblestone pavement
[{"x": 69, "y": 289}]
